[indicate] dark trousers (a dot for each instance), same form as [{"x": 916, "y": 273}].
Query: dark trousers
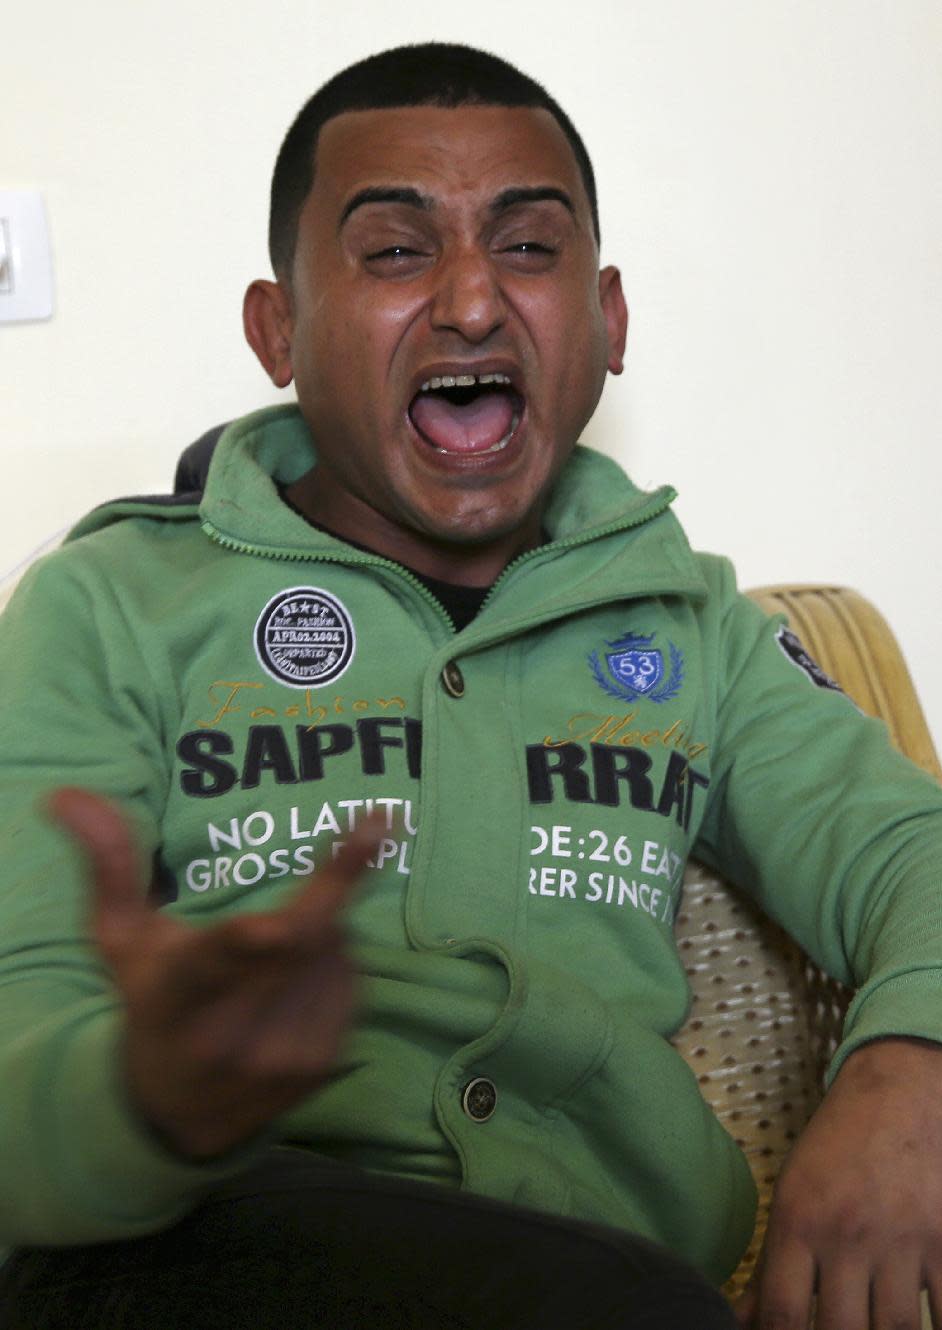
[{"x": 299, "y": 1241}]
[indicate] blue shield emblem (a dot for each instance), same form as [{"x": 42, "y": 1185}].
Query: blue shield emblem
[
  {"x": 635, "y": 669},
  {"x": 638, "y": 670}
]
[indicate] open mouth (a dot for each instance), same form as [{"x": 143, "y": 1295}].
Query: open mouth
[{"x": 467, "y": 414}]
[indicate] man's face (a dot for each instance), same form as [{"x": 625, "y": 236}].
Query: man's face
[{"x": 446, "y": 326}]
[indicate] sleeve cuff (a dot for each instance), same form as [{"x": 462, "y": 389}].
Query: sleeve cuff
[{"x": 905, "y": 1005}]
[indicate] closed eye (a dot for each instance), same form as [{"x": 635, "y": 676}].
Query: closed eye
[
  {"x": 529, "y": 247},
  {"x": 529, "y": 256},
  {"x": 394, "y": 262},
  {"x": 394, "y": 252}
]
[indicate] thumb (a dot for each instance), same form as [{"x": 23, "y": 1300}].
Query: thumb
[
  {"x": 104, "y": 835},
  {"x": 330, "y": 887},
  {"x": 747, "y": 1305}
]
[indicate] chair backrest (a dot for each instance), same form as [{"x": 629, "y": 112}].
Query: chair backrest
[{"x": 764, "y": 1020}]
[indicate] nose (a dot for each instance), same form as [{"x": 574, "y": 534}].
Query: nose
[{"x": 468, "y": 298}]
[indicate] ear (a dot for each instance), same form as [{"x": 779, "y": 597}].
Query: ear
[
  {"x": 268, "y": 323},
  {"x": 615, "y": 310}
]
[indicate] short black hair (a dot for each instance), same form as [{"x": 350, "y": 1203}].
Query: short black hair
[{"x": 430, "y": 74}]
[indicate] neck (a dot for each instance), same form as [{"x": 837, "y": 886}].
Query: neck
[{"x": 472, "y": 563}]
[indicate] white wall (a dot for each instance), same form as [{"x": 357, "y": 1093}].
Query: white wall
[{"x": 771, "y": 176}]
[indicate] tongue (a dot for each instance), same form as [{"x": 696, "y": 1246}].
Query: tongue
[{"x": 463, "y": 429}]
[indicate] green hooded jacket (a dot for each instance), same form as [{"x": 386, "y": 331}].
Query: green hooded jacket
[{"x": 248, "y": 686}]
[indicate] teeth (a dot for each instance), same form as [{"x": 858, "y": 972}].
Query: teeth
[
  {"x": 502, "y": 443},
  {"x": 462, "y": 381}
]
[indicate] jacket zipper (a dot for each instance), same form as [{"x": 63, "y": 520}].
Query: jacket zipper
[
  {"x": 377, "y": 561},
  {"x": 309, "y": 556},
  {"x": 594, "y": 533}
]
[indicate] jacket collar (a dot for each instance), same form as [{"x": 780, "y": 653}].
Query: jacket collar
[{"x": 637, "y": 545}]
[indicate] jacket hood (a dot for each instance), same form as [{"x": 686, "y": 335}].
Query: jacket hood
[{"x": 230, "y": 478}]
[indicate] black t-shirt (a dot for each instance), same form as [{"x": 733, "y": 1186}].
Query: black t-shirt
[{"x": 460, "y": 603}]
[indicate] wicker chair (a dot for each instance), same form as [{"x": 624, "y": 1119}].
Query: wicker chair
[{"x": 765, "y": 1020}]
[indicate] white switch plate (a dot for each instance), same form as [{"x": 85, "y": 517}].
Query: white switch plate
[{"x": 25, "y": 257}]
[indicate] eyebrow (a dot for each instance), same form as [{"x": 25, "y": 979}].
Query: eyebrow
[
  {"x": 379, "y": 194},
  {"x": 412, "y": 198},
  {"x": 511, "y": 198}
]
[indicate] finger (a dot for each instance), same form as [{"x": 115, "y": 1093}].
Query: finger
[
  {"x": 307, "y": 923},
  {"x": 786, "y": 1286},
  {"x": 895, "y": 1299},
  {"x": 331, "y": 886},
  {"x": 843, "y": 1296},
  {"x": 934, "y": 1287},
  {"x": 746, "y": 1306},
  {"x": 104, "y": 836}
]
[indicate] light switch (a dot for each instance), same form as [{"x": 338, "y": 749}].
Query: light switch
[
  {"x": 6, "y": 263},
  {"x": 25, "y": 257}
]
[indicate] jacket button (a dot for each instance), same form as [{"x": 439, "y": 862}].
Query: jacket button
[
  {"x": 453, "y": 680},
  {"x": 479, "y": 1099}
]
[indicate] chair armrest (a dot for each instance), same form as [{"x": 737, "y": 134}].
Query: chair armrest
[{"x": 764, "y": 1020}]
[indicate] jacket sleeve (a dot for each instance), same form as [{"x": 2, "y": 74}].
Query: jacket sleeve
[
  {"x": 79, "y": 706},
  {"x": 835, "y": 834}
]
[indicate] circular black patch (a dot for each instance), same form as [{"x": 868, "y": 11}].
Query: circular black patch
[{"x": 304, "y": 637}]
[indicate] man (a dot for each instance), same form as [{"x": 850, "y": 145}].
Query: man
[{"x": 382, "y": 644}]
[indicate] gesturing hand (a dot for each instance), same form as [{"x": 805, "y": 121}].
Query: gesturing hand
[
  {"x": 857, "y": 1213},
  {"x": 225, "y": 1026}
]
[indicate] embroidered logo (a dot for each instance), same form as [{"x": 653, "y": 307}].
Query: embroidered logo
[
  {"x": 634, "y": 669},
  {"x": 304, "y": 637},
  {"x": 796, "y": 653}
]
